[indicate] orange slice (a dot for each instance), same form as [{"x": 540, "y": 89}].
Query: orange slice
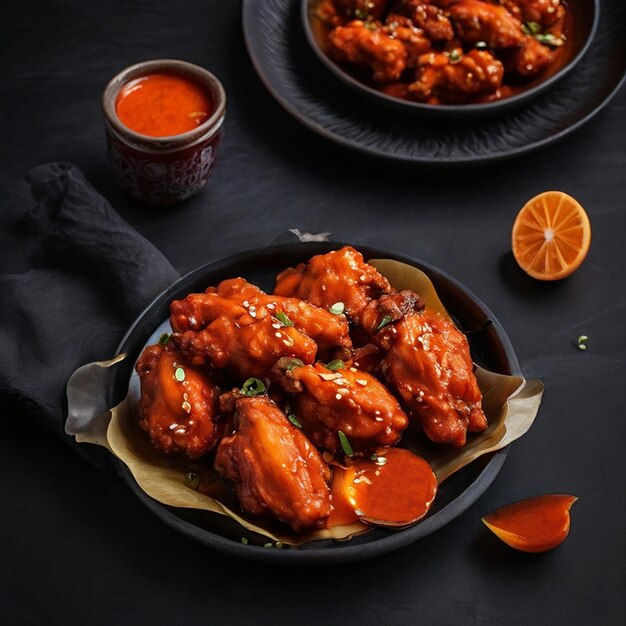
[
  {"x": 551, "y": 236},
  {"x": 534, "y": 525}
]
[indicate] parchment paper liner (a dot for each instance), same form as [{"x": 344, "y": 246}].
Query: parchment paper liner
[{"x": 510, "y": 403}]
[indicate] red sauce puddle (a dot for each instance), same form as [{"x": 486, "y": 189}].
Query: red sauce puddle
[{"x": 161, "y": 105}]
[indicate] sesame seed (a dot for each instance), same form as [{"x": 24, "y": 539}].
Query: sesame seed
[
  {"x": 186, "y": 407},
  {"x": 338, "y": 396},
  {"x": 361, "y": 382},
  {"x": 278, "y": 335}
]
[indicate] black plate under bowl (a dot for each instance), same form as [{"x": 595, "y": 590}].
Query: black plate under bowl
[
  {"x": 296, "y": 78},
  {"x": 585, "y": 14},
  {"x": 490, "y": 348}
]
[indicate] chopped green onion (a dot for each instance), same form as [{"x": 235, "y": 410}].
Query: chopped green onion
[
  {"x": 384, "y": 322},
  {"x": 294, "y": 420},
  {"x": 345, "y": 444},
  {"x": 179, "y": 374},
  {"x": 164, "y": 339},
  {"x": 291, "y": 364},
  {"x": 337, "y": 309},
  {"x": 192, "y": 480},
  {"x": 269, "y": 544},
  {"x": 244, "y": 540},
  {"x": 582, "y": 342},
  {"x": 532, "y": 27},
  {"x": 283, "y": 319},
  {"x": 253, "y": 387},
  {"x": 335, "y": 365},
  {"x": 454, "y": 56},
  {"x": 548, "y": 39}
]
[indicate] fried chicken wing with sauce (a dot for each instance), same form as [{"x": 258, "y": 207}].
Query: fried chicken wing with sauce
[
  {"x": 529, "y": 59},
  {"x": 429, "y": 18},
  {"x": 226, "y": 334},
  {"x": 346, "y": 400},
  {"x": 330, "y": 332},
  {"x": 388, "y": 308},
  {"x": 546, "y": 13},
  {"x": 447, "y": 80},
  {"x": 178, "y": 407},
  {"x": 428, "y": 364},
  {"x": 367, "y": 45},
  {"x": 414, "y": 39},
  {"x": 338, "y": 276},
  {"x": 475, "y": 21},
  {"x": 275, "y": 469}
]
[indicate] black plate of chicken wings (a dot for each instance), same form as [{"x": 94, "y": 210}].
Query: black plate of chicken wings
[
  {"x": 300, "y": 82},
  {"x": 490, "y": 348}
]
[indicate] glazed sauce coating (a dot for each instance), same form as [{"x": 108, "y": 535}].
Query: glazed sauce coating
[{"x": 161, "y": 105}]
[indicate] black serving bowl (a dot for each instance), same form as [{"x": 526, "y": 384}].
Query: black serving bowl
[
  {"x": 585, "y": 14},
  {"x": 490, "y": 348}
]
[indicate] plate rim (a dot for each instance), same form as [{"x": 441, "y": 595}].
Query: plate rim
[
  {"x": 248, "y": 29},
  {"x": 338, "y": 552}
]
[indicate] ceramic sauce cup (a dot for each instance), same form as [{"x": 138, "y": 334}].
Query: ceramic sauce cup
[{"x": 166, "y": 153}]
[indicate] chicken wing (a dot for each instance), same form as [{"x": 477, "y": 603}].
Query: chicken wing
[
  {"x": 338, "y": 277},
  {"x": 330, "y": 332},
  {"x": 246, "y": 341},
  {"x": 529, "y": 59},
  {"x": 546, "y": 13},
  {"x": 346, "y": 400},
  {"x": 275, "y": 469},
  {"x": 414, "y": 39},
  {"x": 456, "y": 78},
  {"x": 423, "y": 15},
  {"x": 367, "y": 45},
  {"x": 475, "y": 21},
  {"x": 429, "y": 366},
  {"x": 178, "y": 407}
]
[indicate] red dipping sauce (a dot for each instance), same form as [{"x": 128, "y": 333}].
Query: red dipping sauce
[{"x": 161, "y": 105}]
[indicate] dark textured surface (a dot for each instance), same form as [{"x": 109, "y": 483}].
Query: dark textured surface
[
  {"x": 302, "y": 84},
  {"x": 76, "y": 545}
]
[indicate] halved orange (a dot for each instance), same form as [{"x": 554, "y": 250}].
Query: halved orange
[{"x": 551, "y": 236}]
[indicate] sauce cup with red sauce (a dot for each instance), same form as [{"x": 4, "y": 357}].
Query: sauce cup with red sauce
[{"x": 163, "y": 121}]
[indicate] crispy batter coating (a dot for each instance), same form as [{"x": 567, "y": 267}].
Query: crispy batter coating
[
  {"x": 428, "y": 363},
  {"x": 275, "y": 469},
  {"x": 438, "y": 76},
  {"x": 475, "y": 21},
  {"x": 180, "y": 414},
  {"x": 243, "y": 340},
  {"x": 367, "y": 45},
  {"x": 338, "y": 276},
  {"x": 346, "y": 400}
]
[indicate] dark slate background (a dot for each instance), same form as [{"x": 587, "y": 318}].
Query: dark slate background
[{"x": 75, "y": 544}]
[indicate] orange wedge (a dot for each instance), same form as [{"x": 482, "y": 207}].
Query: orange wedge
[
  {"x": 534, "y": 525},
  {"x": 551, "y": 236}
]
